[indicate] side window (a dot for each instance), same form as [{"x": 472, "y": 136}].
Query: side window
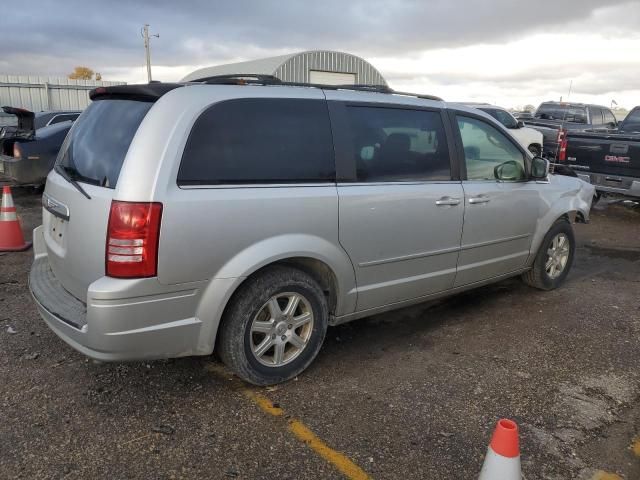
[
  {"x": 488, "y": 153},
  {"x": 63, "y": 118},
  {"x": 260, "y": 140},
  {"x": 609, "y": 118},
  {"x": 596, "y": 116},
  {"x": 395, "y": 144}
]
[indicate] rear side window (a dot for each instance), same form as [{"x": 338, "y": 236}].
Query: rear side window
[
  {"x": 565, "y": 113},
  {"x": 260, "y": 140},
  {"x": 393, "y": 144},
  {"x": 609, "y": 118},
  {"x": 95, "y": 148},
  {"x": 63, "y": 118},
  {"x": 596, "y": 116}
]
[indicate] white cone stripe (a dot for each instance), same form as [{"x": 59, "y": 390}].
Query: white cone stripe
[
  {"x": 8, "y": 217},
  {"x": 7, "y": 200},
  {"x": 497, "y": 467}
]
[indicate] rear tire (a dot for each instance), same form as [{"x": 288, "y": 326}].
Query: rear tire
[
  {"x": 274, "y": 326},
  {"x": 554, "y": 258}
]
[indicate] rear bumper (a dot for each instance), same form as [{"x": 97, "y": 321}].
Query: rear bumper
[
  {"x": 628, "y": 186},
  {"x": 24, "y": 171},
  {"x": 118, "y": 322}
]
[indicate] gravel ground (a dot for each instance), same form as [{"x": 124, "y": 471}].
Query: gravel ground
[{"x": 409, "y": 394}]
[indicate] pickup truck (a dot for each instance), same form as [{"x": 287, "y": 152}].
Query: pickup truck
[
  {"x": 555, "y": 119},
  {"x": 610, "y": 161}
]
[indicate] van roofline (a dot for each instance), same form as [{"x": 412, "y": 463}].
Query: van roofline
[{"x": 153, "y": 91}]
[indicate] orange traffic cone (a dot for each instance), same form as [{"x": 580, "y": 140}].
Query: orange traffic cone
[
  {"x": 503, "y": 456},
  {"x": 11, "y": 238}
]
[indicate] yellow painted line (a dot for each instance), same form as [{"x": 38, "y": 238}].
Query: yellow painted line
[
  {"x": 263, "y": 402},
  {"x": 635, "y": 447},
  {"x": 337, "y": 459},
  {"x": 602, "y": 475},
  {"x": 340, "y": 461}
]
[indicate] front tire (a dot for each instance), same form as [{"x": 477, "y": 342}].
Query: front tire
[
  {"x": 554, "y": 258},
  {"x": 274, "y": 326}
]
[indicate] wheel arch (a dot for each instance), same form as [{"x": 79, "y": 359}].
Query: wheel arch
[{"x": 326, "y": 263}]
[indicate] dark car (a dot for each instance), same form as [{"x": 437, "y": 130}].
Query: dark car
[
  {"x": 555, "y": 119},
  {"x": 28, "y": 150},
  {"x": 611, "y": 160}
]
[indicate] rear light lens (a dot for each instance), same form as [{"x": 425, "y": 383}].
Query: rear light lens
[
  {"x": 17, "y": 151},
  {"x": 132, "y": 239},
  {"x": 562, "y": 145}
]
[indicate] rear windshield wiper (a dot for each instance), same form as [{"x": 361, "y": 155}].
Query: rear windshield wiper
[{"x": 64, "y": 174}]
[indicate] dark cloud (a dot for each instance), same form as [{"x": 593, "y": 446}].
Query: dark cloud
[{"x": 47, "y": 36}]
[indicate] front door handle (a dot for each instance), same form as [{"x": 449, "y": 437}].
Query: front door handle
[
  {"x": 447, "y": 201},
  {"x": 478, "y": 200}
]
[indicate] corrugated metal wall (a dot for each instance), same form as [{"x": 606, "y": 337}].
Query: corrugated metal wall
[
  {"x": 296, "y": 69},
  {"x": 38, "y": 93}
]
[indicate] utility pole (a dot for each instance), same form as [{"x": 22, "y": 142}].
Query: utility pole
[{"x": 147, "y": 48}]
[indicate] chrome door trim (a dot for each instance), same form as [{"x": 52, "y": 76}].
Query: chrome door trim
[
  {"x": 492, "y": 242},
  {"x": 409, "y": 257}
]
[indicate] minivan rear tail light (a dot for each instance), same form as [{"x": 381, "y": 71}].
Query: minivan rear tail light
[
  {"x": 17, "y": 151},
  {"x": 132, "y": 239}
]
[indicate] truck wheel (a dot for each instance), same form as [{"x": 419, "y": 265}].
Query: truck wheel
[
  {"x": 554, "y": 258},
  {"x": 535, "y": 149},
  {"x": 274, "y": 326}
]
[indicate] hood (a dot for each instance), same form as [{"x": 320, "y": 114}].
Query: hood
[{"x": 25, "y": 119}]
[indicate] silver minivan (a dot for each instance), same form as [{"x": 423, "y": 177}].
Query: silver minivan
[{"x": 246, "y": 217}]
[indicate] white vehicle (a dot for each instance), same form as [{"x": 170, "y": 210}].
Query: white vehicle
[{"x": 529, "y": 138}]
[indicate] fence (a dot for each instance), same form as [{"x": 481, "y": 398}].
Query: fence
[{"x": 38, "y": 93}]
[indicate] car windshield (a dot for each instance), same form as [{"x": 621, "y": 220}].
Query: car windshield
[
  {"x": 632, "y": 122},
  {"x": 94, "y": 150},
  {"x": 564, "y": 112}
]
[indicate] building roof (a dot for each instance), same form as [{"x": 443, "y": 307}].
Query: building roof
[{"x": 312, "y": 59}]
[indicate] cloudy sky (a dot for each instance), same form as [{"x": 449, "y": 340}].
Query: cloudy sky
[{"x": 509, "y": 52}]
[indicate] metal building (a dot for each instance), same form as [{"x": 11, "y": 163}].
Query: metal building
[
  {"x": 314, "y": 66},
  {"x": 38, "y": 93}
]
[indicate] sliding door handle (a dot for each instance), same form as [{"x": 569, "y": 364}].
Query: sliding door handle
[
  {"x": 447, "y": 201},
  {"x": 478, "y": 200}
]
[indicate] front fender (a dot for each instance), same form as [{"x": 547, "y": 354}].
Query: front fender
[
  {"x": 567, "y": 196},
  {"x": 248, "y": 261}
]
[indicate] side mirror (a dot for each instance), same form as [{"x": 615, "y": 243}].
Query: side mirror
[
  {"x": 520, "y": 124},
  {"x": 509, "y": 171},
  {"x": 539, "y": 168}
]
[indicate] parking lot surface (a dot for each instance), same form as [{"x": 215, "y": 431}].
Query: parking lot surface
[{"x": 409, "y": 394}]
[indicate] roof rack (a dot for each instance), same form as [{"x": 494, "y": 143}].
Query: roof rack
[
  {"x": 260, "y": 79},
  {"x": 240, "y": 79}
]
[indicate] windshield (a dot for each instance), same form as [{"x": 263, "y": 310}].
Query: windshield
[
  {"x": 94, "y": 150},
  {"x": 566, "y": 113},
  {"x": 505, "y": 118},
  {"x": 632, "y": 122}
]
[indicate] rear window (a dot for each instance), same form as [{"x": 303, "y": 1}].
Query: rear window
[
  {"x": 632, "y": 122},
  {"x": 503, "y": 117},
  {"x": 94, "y": 150},
  {"x": 260, "y": 140},
  {"x": 566, "y": 113}
]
